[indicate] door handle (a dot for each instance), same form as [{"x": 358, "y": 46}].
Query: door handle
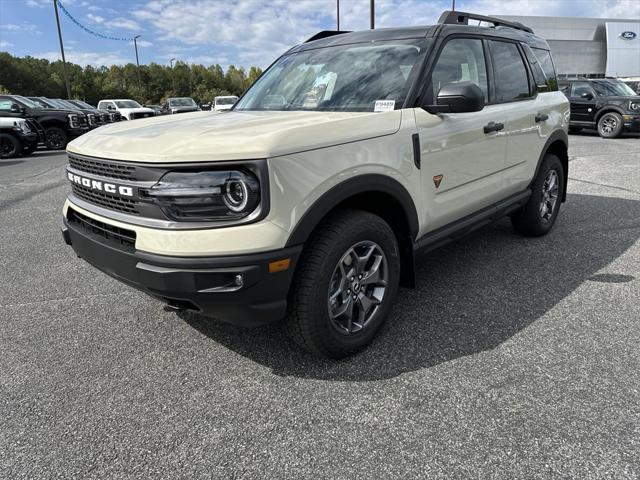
[
  {"x": 541, "y": 117},
  {"x": 493, "y": 127}
]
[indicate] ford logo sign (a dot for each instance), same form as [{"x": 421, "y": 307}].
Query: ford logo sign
[{"x": 628, "y": 35}]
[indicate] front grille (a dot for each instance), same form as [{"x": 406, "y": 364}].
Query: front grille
[
  {"x": 105, "y": 118},
  {"x": 104, "y": 169},
  {"x": 135, "y": 115},
  {"x": 105, "y": 200},
  {"x": 121, "y": 236}
]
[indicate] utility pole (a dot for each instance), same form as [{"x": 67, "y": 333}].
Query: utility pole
[
  {"x": 135, "y": 44},
  {"x": 338, "y": 15},
  {"x": 171, "y": 62},
  {"x": 373, "y": 15},
  {"x": 453, "y": 6},
  {"x": 64, "y": 62}
]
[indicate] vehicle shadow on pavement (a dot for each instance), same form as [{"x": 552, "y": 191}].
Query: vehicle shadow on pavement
[{"x": 471, "y": 296}]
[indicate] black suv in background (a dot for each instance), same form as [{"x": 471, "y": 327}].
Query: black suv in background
[
  {"x": 608, "y": 105},
  {"x": 60, "y": 125}
]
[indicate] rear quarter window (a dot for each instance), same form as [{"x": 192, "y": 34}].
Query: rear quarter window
[{"x": 546, "y": 63}]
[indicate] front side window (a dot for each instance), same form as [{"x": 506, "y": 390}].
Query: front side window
[
  {"x": 338, "y": 78},
  {"x": 511, "y": 76},
  {"x": 612, "y": 88},
  {"x": 461, "y": 60}
]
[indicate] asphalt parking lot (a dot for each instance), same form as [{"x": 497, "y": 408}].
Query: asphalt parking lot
[{"x": 514, "y": 358}]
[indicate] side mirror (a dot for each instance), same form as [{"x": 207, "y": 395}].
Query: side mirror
[
  {"x": 458, "y": 97},
  {"x": 15, "y": 108},
  {"x": 586, "y": 96}
]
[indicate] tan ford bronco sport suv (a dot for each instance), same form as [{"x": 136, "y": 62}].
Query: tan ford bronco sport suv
[{"x": 311, "y": 198}]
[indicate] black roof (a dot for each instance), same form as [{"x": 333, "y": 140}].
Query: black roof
[{"x": 501, "y": 29}]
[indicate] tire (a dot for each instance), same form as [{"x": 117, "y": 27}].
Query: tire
[
  {"x": 336, "y": 243},
  {"x": 610, "y": 125},
  {"x": 575, "y": 129},
  {"x": 534, "y": 219},
  {"x": 56, "y": 138},
  {"x": 10, "y": 146}
]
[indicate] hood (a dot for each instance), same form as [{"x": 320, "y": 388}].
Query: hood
[
  {"x": 58, "y": 110},
  {"x": 210, "y": 136}
]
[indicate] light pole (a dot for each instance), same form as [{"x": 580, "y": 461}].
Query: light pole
[
  {"x": 173, "y": 80},
  {"x": 372, "y": 14},
  {"x": 64, "y": 62},
  {"x": 338, "y": 15},
  {"x": 135, "y": 44},
  {"x": 453, "y": 6}
]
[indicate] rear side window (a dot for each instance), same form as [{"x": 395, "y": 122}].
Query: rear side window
[
  {"x": 546, "y": 63},
  {"x": 580, "y": 88},
  {"x": 5, "y": 104},
  {"x": 511, "y": 76}
]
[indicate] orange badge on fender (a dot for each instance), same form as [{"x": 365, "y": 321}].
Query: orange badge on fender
[{"x": 437, "y": 180}]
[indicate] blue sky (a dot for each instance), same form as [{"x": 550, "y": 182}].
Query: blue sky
[{"x": 239, "y": 32}]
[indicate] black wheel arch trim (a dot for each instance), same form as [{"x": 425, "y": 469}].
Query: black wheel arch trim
[
  {"x": 367, "y": 183},
  {"x": 608, "y": 109},
  {"x": 557, "y": 135}
]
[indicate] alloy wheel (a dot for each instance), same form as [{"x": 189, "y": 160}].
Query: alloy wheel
[
  {"x": 550, "y": 190},
  {"x": 358, "y": 286},
  {"x": 608, "y": 124},
  {"x": 55, "y": 140}
]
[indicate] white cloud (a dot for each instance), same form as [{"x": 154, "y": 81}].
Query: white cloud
[
  {"x": 143, "y": 43},
  {"x": 95, "y": 18},
  {"x": 125, "y": 23},
  {"x": 94, "y": 8},
  {"x": 5, "y": 44},
  {"x": 96, "y": 59},
  {"x": 25, "y": 27}
]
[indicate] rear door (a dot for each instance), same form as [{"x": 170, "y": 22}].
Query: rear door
[
  {"x": 461, "y": 164},
  {"x": 524, "y": 112}
]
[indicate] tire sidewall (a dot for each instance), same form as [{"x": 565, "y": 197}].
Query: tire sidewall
[
  {"x": 551, "y": 162},
  {"x": 16, "y": 146},
  {"x": 618, "y": 129},
  {"x": 384, "y": 237}
]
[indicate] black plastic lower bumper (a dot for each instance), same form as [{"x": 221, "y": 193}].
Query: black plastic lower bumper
[
  {"x": 208, "y": 285},
  {"x": 632, "y": 123}
]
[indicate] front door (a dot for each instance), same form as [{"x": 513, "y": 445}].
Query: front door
[
  {"x": 583, "y": 102},
  {"x": 461, "y": 163}
]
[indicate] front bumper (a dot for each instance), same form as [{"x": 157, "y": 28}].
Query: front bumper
[
  {"x": 77, "y": 131},
  {"x": 203, "y": 284},
  {"x": 631, "y": 123}
]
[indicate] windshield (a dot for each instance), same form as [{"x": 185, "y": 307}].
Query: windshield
[
  {"x": 82, "y": 104},
  {"x": 127, "y": 104},
  {"x": 26, "y": 101},
  {"x": 611, "y": 88},
  {"x": 67, "y": 104},
  {"x": 182, "y": 102},
  {"x": 226, "y": 100},
  {"x": 41, "y": 103},
  {"x": 340, "y": 78}
]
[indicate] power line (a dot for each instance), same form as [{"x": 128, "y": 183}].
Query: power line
[{"x": 88, "y": 30}]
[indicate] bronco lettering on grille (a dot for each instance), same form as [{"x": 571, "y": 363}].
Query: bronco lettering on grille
[{"x": 101, "y": 186}]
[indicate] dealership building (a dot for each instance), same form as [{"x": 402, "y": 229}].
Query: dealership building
[{"x": 589, "y": 47}]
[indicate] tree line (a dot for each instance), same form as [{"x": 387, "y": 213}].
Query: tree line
[{"x": 39, "y": 77}]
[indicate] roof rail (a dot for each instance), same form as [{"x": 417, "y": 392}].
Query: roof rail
[
  {"x": 449, "y": 17},
  {"x": 325, "y": 34}
]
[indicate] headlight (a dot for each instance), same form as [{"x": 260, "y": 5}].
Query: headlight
[
  {"x": 73, "y": 120},
  {"x": 206, "y": 195},
  {"x": 635, "y": 106}
]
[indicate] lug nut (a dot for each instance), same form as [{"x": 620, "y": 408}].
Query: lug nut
[
  {"x": 348, "y": 291},
  {"x": 355, "y": 297},
  {"x": 353, "y": 278},
  {"x": 360, "y": 277}
]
